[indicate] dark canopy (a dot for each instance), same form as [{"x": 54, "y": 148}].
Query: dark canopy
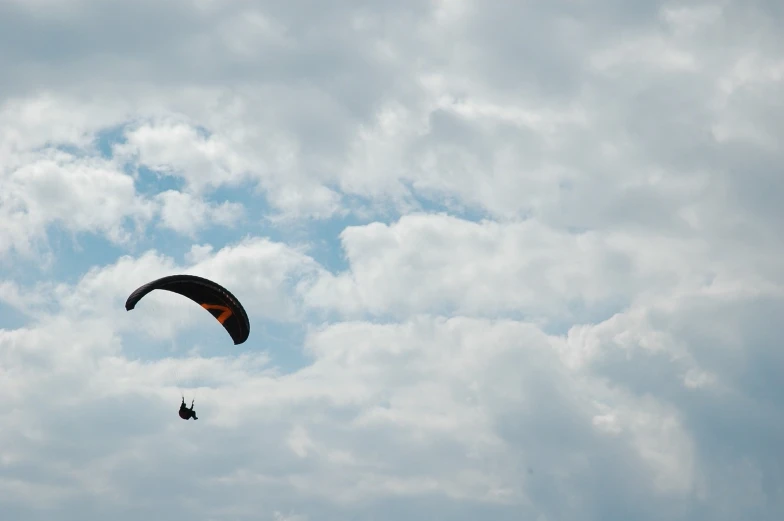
[{"x": 211, "y": 296}]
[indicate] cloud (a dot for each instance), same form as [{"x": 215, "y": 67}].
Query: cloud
[
  {"x": 82, "y": 195},
  {"x": 183, "y": 213},
  {"x": 440, "y": 263},
  {"x": 259, "y": 270},
  {"x": 178, "y": 149},
  {"x": 499, "y": 263}
]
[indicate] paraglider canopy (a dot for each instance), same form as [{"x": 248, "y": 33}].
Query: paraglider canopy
[{"x": 211, "y": 296}]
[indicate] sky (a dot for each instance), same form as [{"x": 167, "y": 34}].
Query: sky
[{"x": 503, "y": 260}]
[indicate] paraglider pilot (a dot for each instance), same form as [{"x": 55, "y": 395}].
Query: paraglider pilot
[{"x": 185, "y": 413}]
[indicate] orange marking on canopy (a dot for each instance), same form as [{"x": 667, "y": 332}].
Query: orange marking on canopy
[{"x": 223, "y": 316}]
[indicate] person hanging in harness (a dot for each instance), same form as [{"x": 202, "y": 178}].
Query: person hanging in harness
[{"x": 185, "y": 413}]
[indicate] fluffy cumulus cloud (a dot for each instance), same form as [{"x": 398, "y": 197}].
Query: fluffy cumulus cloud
[{"x": 501, "y": 260}]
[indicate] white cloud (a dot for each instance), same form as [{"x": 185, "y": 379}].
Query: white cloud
[
  {"x": 81, "y": 195},
  {"x": 185, "y": 214},
  {"x": 178, "y": 149},
  {"x": 432, "y": 263},
  {"x": 257, "y": 271},
  {"x": 30, "y": 122}
]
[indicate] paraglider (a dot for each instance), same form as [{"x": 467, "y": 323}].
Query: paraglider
[
  {"x": 186, "y": 413},
  {"x": 211, "y": 296}
]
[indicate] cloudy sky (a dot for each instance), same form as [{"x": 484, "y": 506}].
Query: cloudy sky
[{"x": 503, "y": 260}]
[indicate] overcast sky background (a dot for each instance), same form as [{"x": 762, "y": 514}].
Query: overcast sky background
[{"x": 503, "y": 260}]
